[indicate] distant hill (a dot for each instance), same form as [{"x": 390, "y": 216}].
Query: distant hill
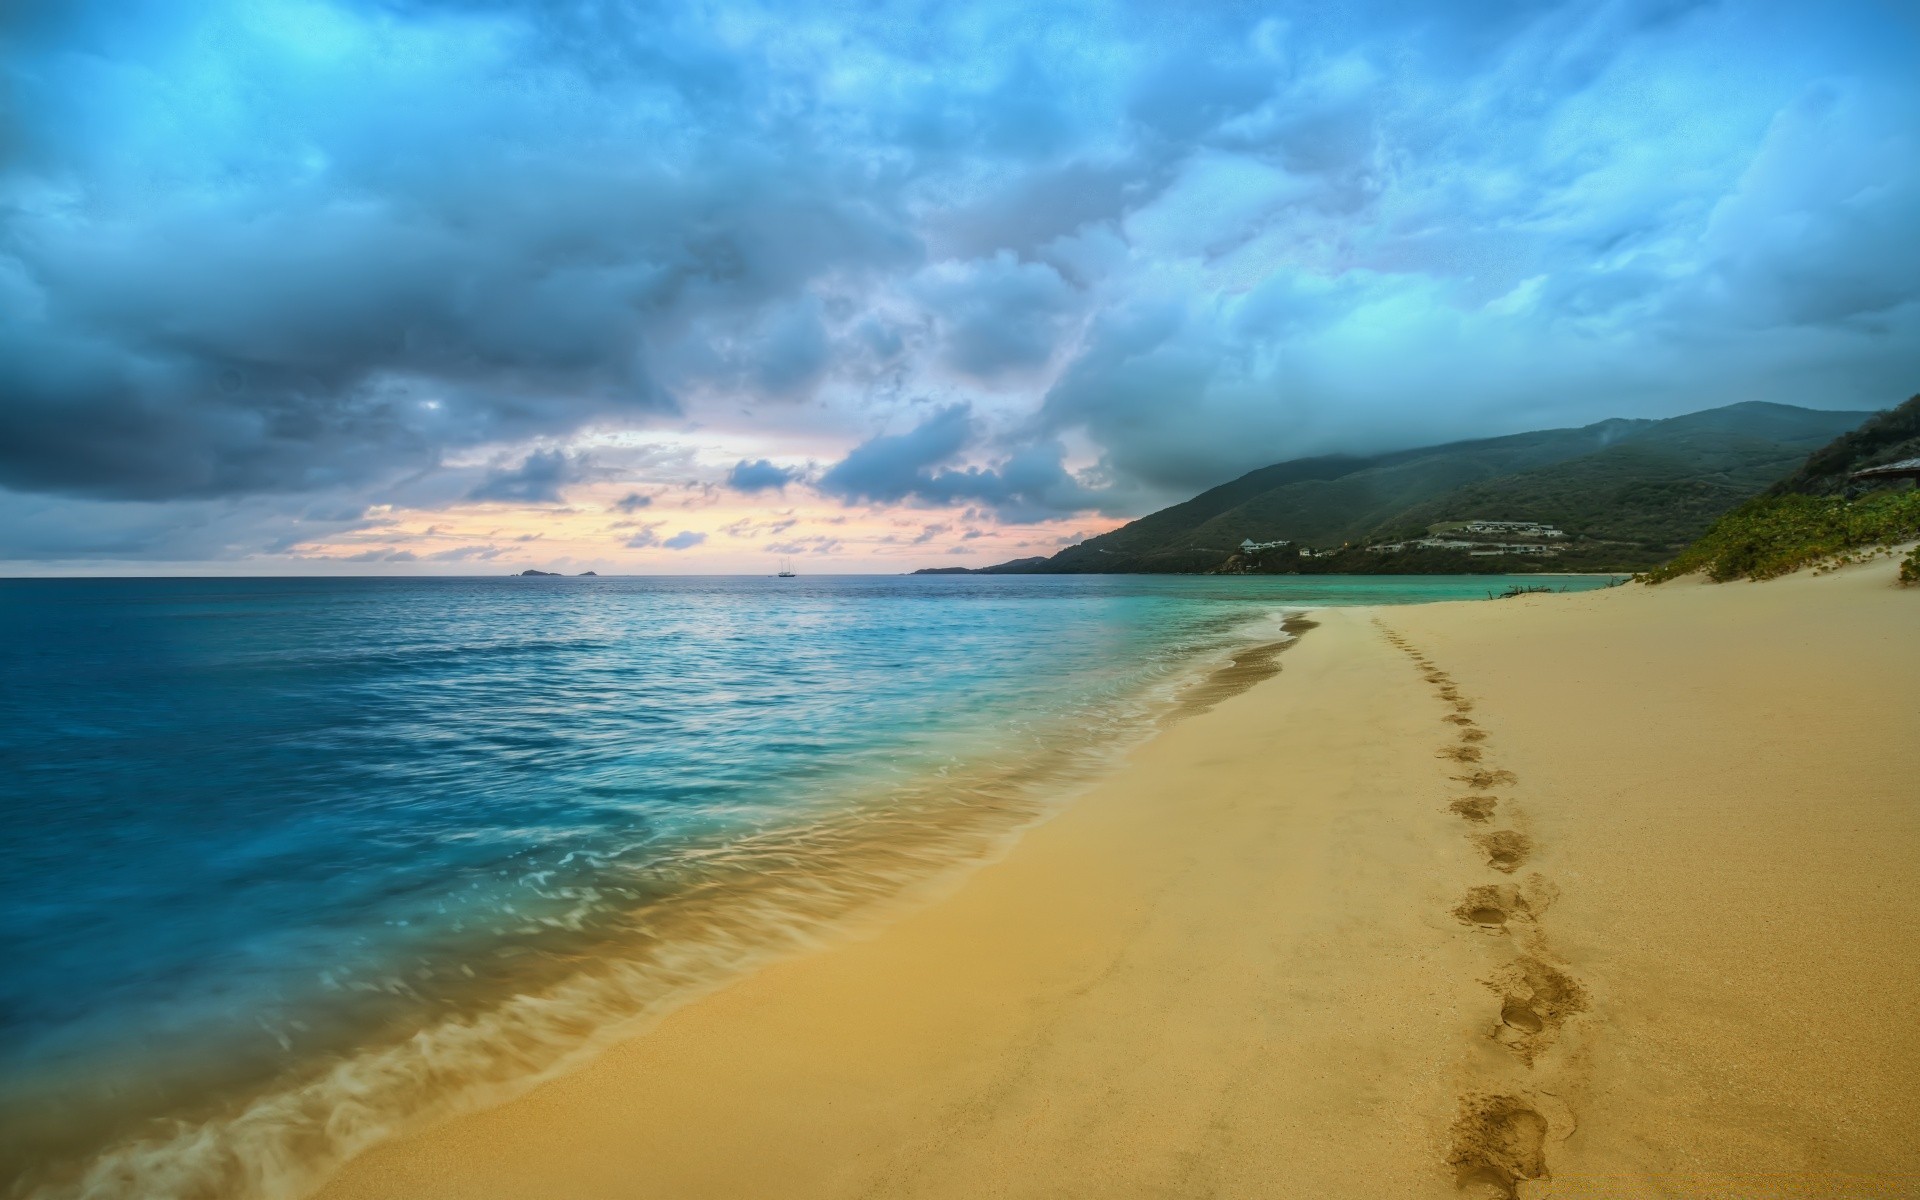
[
  {"x": 1018, "y": 566},
  {"x": 1628, "y": 493}
]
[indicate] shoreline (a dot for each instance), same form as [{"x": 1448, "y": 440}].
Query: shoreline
[
  {"x": 833, "y": 876},
  {"x": 935, "y": 1008},
  {"x": 1252, "y": 958}
]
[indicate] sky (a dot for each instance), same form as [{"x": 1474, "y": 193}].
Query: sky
[{"x": 472, "y": 286}]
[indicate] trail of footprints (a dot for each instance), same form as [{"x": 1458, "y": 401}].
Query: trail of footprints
[{"x": 1500, "y": 1136}]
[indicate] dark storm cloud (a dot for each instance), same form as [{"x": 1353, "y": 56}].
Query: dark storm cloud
[
  {"x": 537, "y": 480},
  {"x": 41, "y": 528},
  {"x": 1030, "y": 209},
  {"x": 309, "y": 251},
  {"x": 913, "y": 467},
  {"x": 891, "y": 467},
  {"x": 759, "y": 476},
  {"x": 999, "y": 315},
  {"x": 452, "y": 231}
]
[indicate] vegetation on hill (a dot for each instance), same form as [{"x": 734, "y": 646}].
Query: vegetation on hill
[
  {"x": 1321, "y": 502},
  {"x": 1419, "y": 560},
  {"x": 1656, "y": 489},
  {"x": 1628, "y": 492},
  {"x": 1812, "y": 516},
  {"x": 1776, "y": 535}
]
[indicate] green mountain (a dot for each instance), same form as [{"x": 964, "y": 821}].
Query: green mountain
[
  {"x": 1825, "y": 512},
  {"x": 1892, "y": 436},
  {"x": 1657, "y": 488},
  {"x": 1628, "y": 494}
]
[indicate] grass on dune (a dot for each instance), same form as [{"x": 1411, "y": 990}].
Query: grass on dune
[{"x": 1777, "y": 534}]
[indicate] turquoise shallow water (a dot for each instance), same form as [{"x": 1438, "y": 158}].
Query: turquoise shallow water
[{"x": 295, "y": 861}]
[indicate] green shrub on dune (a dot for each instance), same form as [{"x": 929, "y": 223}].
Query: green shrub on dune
[
  {"x": 1910, "y": 569},
  {"x": 1774, "y": 535}
]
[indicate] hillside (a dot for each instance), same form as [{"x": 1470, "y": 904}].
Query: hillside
[
  {"x": 1891, "y": 436},
  {"x": 1821, "y": 512},
  {"x": 1628, "y": 493},
  {"x": 1320, "y": 501},
  {"x": 1658, "y": 487}
]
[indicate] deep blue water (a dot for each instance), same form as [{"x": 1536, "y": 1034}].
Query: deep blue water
[{"x": 258, "y": 826}]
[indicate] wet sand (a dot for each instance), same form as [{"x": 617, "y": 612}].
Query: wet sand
[{"x": 1611, "y": 894}]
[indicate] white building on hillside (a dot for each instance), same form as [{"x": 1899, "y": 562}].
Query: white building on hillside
[
  {"x": 1532, "y": 548},
  {"x": 1513, "y": 529}
]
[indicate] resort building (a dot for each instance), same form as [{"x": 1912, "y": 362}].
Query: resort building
[
  {"x": 1532, "y": 548},
  {"x": 1478, "y": 548},
  {"x": 1249, "y": 546},
  {"x": 1513, "y": 529}
]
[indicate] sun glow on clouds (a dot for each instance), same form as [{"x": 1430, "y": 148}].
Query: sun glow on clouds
[
  {"x": 689, "y": 530},
  {"x": 675, "y": 505}
]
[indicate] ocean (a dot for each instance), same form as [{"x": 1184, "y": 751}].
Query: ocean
[{"x": 296, "y": 863}]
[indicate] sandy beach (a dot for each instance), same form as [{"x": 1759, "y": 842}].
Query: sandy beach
[{"x": 1591, "y": 895}]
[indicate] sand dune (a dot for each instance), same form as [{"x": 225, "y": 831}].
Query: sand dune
[{"x": 1600, "y": 895}]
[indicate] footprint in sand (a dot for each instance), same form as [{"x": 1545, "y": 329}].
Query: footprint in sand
[
  {"x": 1461, "y": 753},
  {"x": 1491, "y": 906},
  {"x": 1473, "y": 735},
  {"x": 1505, "y": 849},
  {"x": 1499, "y": 1142},
  {"x": 1495, "y": 907},
  {"x": 1522, "y": 1016},
  {"x": 1478, "y": 809},
  {"x": 1536, "y": 999},
  {"x": 1457, "y": 719},
  {"x": 1483, "y": 779}
]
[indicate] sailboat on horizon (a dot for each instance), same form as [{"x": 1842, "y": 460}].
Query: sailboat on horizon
[{"x": 786, "y": 569}]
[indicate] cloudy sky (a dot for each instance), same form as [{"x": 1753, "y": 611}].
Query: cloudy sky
[{"x": 475, "y": 285}]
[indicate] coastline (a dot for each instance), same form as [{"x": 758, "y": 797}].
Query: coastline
[
  {"x": 1235, "y": 964},
  {"x": 725, "y": 910}
]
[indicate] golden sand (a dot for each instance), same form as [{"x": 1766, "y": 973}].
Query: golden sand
[{"x": 1615, "y": 894}]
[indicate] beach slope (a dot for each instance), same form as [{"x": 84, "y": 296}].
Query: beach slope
[{"x": 1579, "y": 895}]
